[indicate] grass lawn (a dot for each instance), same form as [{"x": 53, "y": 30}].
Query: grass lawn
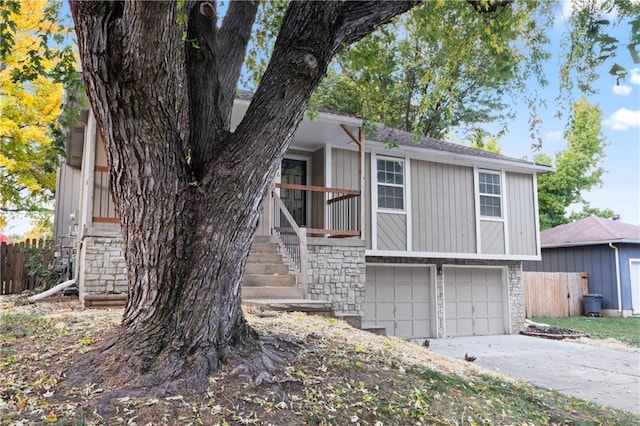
[{"x": 625, "y": 330}]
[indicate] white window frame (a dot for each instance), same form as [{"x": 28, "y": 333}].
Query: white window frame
[
  {"x": 499, "y": 197},
  {"x": 403, "y": 186}
]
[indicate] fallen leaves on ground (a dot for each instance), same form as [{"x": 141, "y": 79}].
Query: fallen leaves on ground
[{"x": 343, "y": 376}]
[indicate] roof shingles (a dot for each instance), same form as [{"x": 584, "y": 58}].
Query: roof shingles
[{"x": 591, "y": 230}]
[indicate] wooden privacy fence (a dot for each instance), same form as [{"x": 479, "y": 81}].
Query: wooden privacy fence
[
  {"x": 14, "y": 274},
  {"x": 554, "y": 294}
]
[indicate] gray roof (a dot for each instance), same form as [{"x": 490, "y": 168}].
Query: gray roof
[
  {"x": 589, "y": 231},
  {"x": 403, "y": 138}
]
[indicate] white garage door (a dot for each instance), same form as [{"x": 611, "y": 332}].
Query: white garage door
[
  {"x": 474, "y": 301},
  {"x": 399, "y": 299}
]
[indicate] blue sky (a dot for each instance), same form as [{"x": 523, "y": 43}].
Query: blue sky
[{"x": 620, "y": 107}]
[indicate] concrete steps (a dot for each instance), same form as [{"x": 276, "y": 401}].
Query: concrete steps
[{"x": 266, "y": 276}]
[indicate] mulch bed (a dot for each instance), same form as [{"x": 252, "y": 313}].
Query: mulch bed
[{"x": 556, "y": 333}]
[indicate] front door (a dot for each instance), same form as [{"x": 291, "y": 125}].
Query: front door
[{"x": 295, "y": 172}]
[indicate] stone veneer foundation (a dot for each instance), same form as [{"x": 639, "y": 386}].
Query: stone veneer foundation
[
  {"x": 336, "y": 273},
  {"x": 102, "y": 266}
]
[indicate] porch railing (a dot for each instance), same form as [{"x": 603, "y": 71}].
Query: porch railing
[
  {"x": 342, "y": 212},
  {"x": 292, "y": 240}
]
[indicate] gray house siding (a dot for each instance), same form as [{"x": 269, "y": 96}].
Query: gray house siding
[
  {"x": 367, "y": 200},
  {"x": 344, "y": 169},
  {"x": 492, "y": 237},
  {"x": 521, "y": 219},
  {"x": 598, "y": 261},
  {"x": 317, "y": 198},
  {"x": 443, "y": 218},
  {"x": 392, "y": 232},
  {"x": 68, "y": 190}
]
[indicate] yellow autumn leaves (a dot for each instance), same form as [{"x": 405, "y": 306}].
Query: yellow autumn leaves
[{"x": 28, "y": 109}]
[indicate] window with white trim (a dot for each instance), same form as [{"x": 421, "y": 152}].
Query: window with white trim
[
  {"x": 490, "y": 194},
  {"x": 390, "y": 184}
]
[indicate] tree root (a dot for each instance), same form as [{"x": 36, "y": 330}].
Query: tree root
[{"x": 121, "y": 369}]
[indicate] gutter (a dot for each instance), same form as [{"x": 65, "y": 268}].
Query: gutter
[{"x": 617, "y": 257}]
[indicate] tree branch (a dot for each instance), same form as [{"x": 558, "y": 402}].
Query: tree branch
[
  {"x": 202, "y": 77},
  {"x": 362, "y": 17},
  {"x": 233, "y": 39},
  {"x": 310, "y": 35}
]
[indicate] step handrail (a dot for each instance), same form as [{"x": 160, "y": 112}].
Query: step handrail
[{"x": 295, "y": 248}]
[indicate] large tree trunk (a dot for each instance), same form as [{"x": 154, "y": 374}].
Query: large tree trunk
[{"x": 188, "y": 190}]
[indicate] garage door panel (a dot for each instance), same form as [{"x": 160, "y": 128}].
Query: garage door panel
[
  {"x": 474, "y": 301},
  {"x": 399, "y": 299},
  {"x": 479, "y": 292},
  {"x": 496, "y": 307},
  {"x": 404, "y": 311},
  {"x": 385, "y": 310},
  {"x": 422, "y": 328},
  {"x": 494, "y": 292},
  {"x": 402, "y": 275},
  {"x": 403, "y": 293},
  {"x": 462, "y": 275},
  {"x": 480, "y": 310},
  {"x": 421, "y": 293},
  {"x": 420, "y": 313},
  {"x": 420, "y": 275},
  {"x": 384, "y": 292},
  {"x": 464, "y": 292},
  {"x": 384, "y": 275},
  {"x": 496, "y": 324},
  {"x": 481, "y": 327}
]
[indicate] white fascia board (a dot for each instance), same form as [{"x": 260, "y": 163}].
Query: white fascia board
[
  {"x": 591, "y": 243},
  {"x": 437, "y": 156},
  {"x": 440, "y": 255},
  {"x": 322, "y": 116}
]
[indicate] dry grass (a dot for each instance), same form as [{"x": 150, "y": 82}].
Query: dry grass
[{"x": 342, "y": 376}]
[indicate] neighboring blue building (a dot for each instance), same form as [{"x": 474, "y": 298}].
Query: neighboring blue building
[{"x": 608, "y": 250}]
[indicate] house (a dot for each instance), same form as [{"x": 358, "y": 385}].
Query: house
[
  {"x": 421, "y": 239},
  {"x": 607, "y": 250}
]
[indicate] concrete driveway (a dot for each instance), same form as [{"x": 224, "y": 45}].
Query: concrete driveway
[{"x": 606, "y": 376}]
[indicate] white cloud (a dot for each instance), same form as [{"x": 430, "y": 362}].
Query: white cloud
[
  {"x": 621, "y": 90},
  {"x": 623, "y": 119},
  {"x": 635, "y": 76},
  {"x": 554, "y": 136}
]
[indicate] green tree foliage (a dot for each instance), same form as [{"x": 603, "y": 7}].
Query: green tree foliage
[
  {"x": 480, "y": 139},
  {"x": 591, "y": 41},
  {"x": 420, "y": 75},
  {"x": 37, "y": 66},
  {"x": 577, "y": 169},
  {"x": 457, "y": 64}
]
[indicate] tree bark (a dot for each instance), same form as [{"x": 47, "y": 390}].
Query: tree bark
[{"x": 188, "y": 190}]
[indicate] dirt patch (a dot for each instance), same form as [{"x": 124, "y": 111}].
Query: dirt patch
[{"x": 556, "y": 333}]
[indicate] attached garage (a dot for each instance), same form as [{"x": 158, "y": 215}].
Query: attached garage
[
  {"x": 400, "y": 298},
  {"x": 475, "y": 301}
]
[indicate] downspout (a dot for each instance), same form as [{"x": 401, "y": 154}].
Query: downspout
[{"x": 617, "y": 257}]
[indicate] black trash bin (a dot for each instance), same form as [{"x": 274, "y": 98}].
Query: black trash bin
[{"x": 592, "y": 304}]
